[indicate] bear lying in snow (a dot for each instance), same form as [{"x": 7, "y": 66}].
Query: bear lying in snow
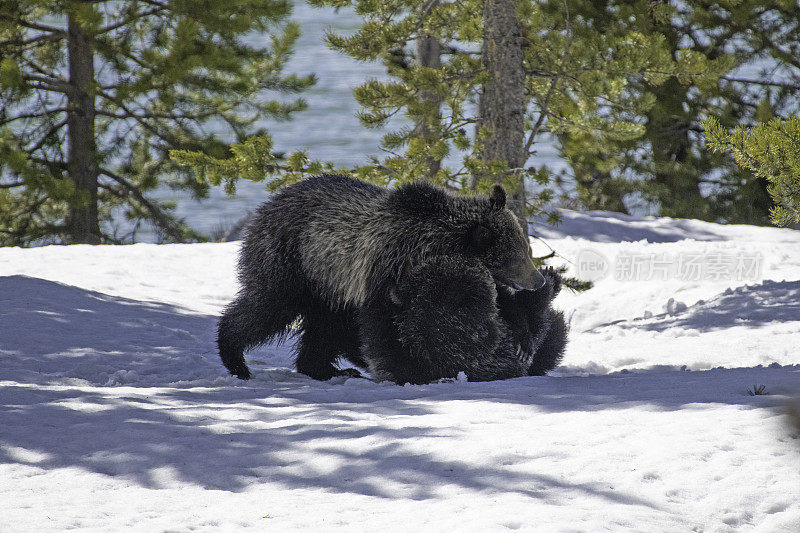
[
  {"x": 332, "y": 249},
  {"x": 448, "y": 316}
]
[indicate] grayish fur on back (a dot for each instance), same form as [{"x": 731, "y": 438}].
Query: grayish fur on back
[{"x": 351, "y": 234}]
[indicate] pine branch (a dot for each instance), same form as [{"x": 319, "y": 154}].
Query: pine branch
[
  {"x": 54, "y": 128},
  {"x": 47, "y": 113},
  {"x": 138, "y": 118},
  {"x": 158, "y": 215},
  {"x": 546, "y": 104},
  {"x": 54, "y": 165},
  {"x": 41, "y": 70},
  {"x": 452, "y": 50},
  {"x": 155, "y": 3},
  {"x": 130, "y": 19},
  {"x": 781, "y": 84},
  {"x": 50, "y": 88},
  {"x": 151, "y": 114},
  {"x": 35, "y": 26},
  {"x": 47, "y": 37}
]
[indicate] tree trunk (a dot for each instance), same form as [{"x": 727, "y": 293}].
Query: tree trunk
[
  {"x": 82, "y": 222},
  {"x": 502, "y": 104},
  {"x": 429, "y": 54}
]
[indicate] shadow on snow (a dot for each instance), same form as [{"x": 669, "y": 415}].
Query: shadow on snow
[
  {"x": 53, "y": 331},
  {"x": 750, "y": 306},
  {"x": 605, "y": 226},
  {"x": 280, "y": 427}
]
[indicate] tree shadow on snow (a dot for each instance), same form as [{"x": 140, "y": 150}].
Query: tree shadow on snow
[
  {"x": 323, "y": 436},
  {"x": 50, "y": 331},
  {"x": 750, "y": 306},
  {"x": 140, "y": 440},
  {"x": 604, "y": 226},
  {"x": 350, "y": 436}
]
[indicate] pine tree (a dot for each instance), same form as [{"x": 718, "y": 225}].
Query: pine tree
[
  {"x": 737, "y": 62},
  {"x": 93, "y": 95},
  {"x": 514, "y": 72},
  {"x": 771, "y": 151},
  {"x": 476, "y": 86}
]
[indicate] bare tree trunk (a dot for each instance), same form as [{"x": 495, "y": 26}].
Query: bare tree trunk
[
  {"x": 502, "y": 104},
  {"x": 82, "y": 223},
  {"x": 429, "y": 54}
]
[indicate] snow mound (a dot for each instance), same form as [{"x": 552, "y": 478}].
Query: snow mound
[{"x": 753, "y": 306}]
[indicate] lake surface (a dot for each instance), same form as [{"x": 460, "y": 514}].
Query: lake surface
[{"x": 329, "y": 129}]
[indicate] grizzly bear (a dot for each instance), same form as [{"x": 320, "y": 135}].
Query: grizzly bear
[
  {"x": 321, "y": 248},
  {"x": 449, "y": 316}
]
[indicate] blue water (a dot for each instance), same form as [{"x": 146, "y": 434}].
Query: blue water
[{"x": 329, "y": 129}]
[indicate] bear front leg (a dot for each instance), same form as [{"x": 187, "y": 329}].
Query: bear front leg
[{"x": 551, "y": 349}]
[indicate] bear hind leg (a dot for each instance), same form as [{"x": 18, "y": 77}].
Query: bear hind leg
[{"x": 249, "y": 321}]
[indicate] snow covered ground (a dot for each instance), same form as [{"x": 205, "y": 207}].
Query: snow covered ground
[{"x": 115, "y": 413}]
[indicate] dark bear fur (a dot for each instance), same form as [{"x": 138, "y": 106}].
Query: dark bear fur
[
  {"x": 540, "y": 331},
  {"x": 446, "y": 316},
  {"x": 321, "y": 248}
]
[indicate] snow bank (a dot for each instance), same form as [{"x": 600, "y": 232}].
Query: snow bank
[{"x": 115, "y": 412}]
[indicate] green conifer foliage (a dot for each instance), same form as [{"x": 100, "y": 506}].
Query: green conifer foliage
[
  {"x": 771, "y": 151},
  {"x": 576, "y": 80},
  {"x": 737, "y": 61},
  {"x": 93, "y": 95},
  {"x": 575, "y": 84}
]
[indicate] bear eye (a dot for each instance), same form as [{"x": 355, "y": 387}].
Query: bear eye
[{"x": 479, "y": 239}]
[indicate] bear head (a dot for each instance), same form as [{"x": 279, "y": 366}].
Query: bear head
[
  {"x": 497, "y": 239},
  {"x": 438, "y": 223}
]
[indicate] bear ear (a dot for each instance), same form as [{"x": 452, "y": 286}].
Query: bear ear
[{"x": 497, "y": 200}]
